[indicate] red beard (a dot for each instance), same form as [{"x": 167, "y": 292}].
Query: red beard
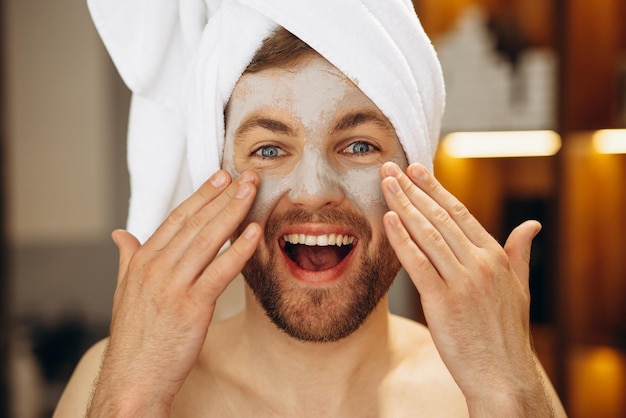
[{"x": 329, "y": 313}]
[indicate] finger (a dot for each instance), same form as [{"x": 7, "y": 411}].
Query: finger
[
  {"x": 518, "y": 246},
  {"x": 475, "y": 232},
  {"x": 194, "y": 224},
  {"x": 205, "y": 244},
  {"x": 427, "y": 237},
  {"x": 218, "y": 275},
  {"x": 417, "y": 265},
  {"x": 215, "y": 208},
  {"x": 127, "y": 245},
  {"x": 438, "y": 216},
  {"x": 179, "y": 217}
]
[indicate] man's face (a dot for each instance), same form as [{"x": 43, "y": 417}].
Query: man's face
[{"x": 317, "y": 143}]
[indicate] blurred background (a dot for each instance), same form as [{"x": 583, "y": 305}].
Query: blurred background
[{"x": 549, "y": 76}]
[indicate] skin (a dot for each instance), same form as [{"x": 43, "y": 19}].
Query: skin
[
  {"x": 163, "y": 358},
  {"x": 310, "y": 161},
  {"x": 318, "y": 164}
]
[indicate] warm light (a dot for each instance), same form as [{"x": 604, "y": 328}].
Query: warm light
[
  {"x": 598, "y": 382},
  {"x": 610, "y": 141},
  {"x": 501, "y": 144}
]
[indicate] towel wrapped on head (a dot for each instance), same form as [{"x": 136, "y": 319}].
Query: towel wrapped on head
[{"x": 182, "y": 59}]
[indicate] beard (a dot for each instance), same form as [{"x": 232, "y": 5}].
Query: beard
[{"x": 322, "y": 314}]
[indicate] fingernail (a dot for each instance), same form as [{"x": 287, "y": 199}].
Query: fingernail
[
  {"x": 250, "y": 232},
  {"x": 393, "y": 185},
  {"x": 393, "y": 220},
  {"x": 538, "y": 230},
  {"x": 418, "y": 172},
  {"x": 244, "y": 190},
  {"x": 246, "y": 177},
  {"x": 393, "y": 170},
  {"x": 218, "y": 179}
]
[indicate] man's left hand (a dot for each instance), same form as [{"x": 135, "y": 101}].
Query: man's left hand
[{"x": 474, "y": 292}]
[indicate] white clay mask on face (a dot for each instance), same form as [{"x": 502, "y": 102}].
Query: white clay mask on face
[{"x": 313, "y": 163}]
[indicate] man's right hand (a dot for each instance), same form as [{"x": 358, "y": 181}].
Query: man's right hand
[{"x": 166, "y": 295}]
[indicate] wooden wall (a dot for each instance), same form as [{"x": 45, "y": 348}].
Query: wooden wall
[
  {"x": 586, "y": 191},
  {"x": 533, "y": 16},
  {"x": 592, "y": 243},
  {"x": 590, "y": 53}
]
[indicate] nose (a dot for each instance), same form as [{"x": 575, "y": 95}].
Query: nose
[{"x": 314, "y": 185}]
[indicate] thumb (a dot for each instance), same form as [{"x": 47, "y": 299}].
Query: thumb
[
  {"x": 127, "y": 245},
  {"x": 518, "y": 246}
]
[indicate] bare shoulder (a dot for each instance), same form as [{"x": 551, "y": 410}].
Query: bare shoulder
[
  {"x": 206, "y": 391},
  {"x": 419, "y": 379},
  {"x": 76, "y": 396},
  {"x": 413, "y": 344}
]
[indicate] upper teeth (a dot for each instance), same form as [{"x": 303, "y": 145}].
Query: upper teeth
[{"x": 321, "y": 240}]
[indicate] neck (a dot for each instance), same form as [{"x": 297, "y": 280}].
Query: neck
[{"x": 316, "y": 371}]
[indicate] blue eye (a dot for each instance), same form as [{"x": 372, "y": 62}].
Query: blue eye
[
  {"x": 359, "y": 148},
  {"x": 269, "y": 151}
]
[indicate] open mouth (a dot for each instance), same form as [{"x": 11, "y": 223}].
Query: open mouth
[{"x": 317, "y": 252}]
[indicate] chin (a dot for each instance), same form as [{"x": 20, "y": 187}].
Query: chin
[{"x": 325, "y": 304}]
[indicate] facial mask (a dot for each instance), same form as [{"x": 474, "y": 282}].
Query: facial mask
[{"x": 311, "y": 96}]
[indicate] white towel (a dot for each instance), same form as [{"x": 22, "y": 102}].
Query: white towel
[{"x": 182, "y": 58}]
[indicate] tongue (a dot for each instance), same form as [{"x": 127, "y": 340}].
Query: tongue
[{"x": 317, "y": 258}]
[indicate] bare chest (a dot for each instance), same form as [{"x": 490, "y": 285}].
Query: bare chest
[{"x": 397, "y": 399}]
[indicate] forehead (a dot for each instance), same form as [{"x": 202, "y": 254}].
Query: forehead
[{"x": 310, "y": 91}]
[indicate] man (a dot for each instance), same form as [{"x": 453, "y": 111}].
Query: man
[{"x": 323, "y": 207}]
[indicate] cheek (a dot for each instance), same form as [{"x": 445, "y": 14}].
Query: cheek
[
  {"x": 268, "y": 195},
  {"x": 363, "y": 188}
]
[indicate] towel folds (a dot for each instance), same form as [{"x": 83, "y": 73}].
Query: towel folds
[{"x": 182, "y": 58}]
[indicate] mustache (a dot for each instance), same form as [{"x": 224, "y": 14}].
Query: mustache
[{"x": 355, "y": 221}]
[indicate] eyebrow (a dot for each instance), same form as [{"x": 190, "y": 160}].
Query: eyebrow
[
  {"x": 354, "y": 119},
  {"x": 265, "y": 123}
]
